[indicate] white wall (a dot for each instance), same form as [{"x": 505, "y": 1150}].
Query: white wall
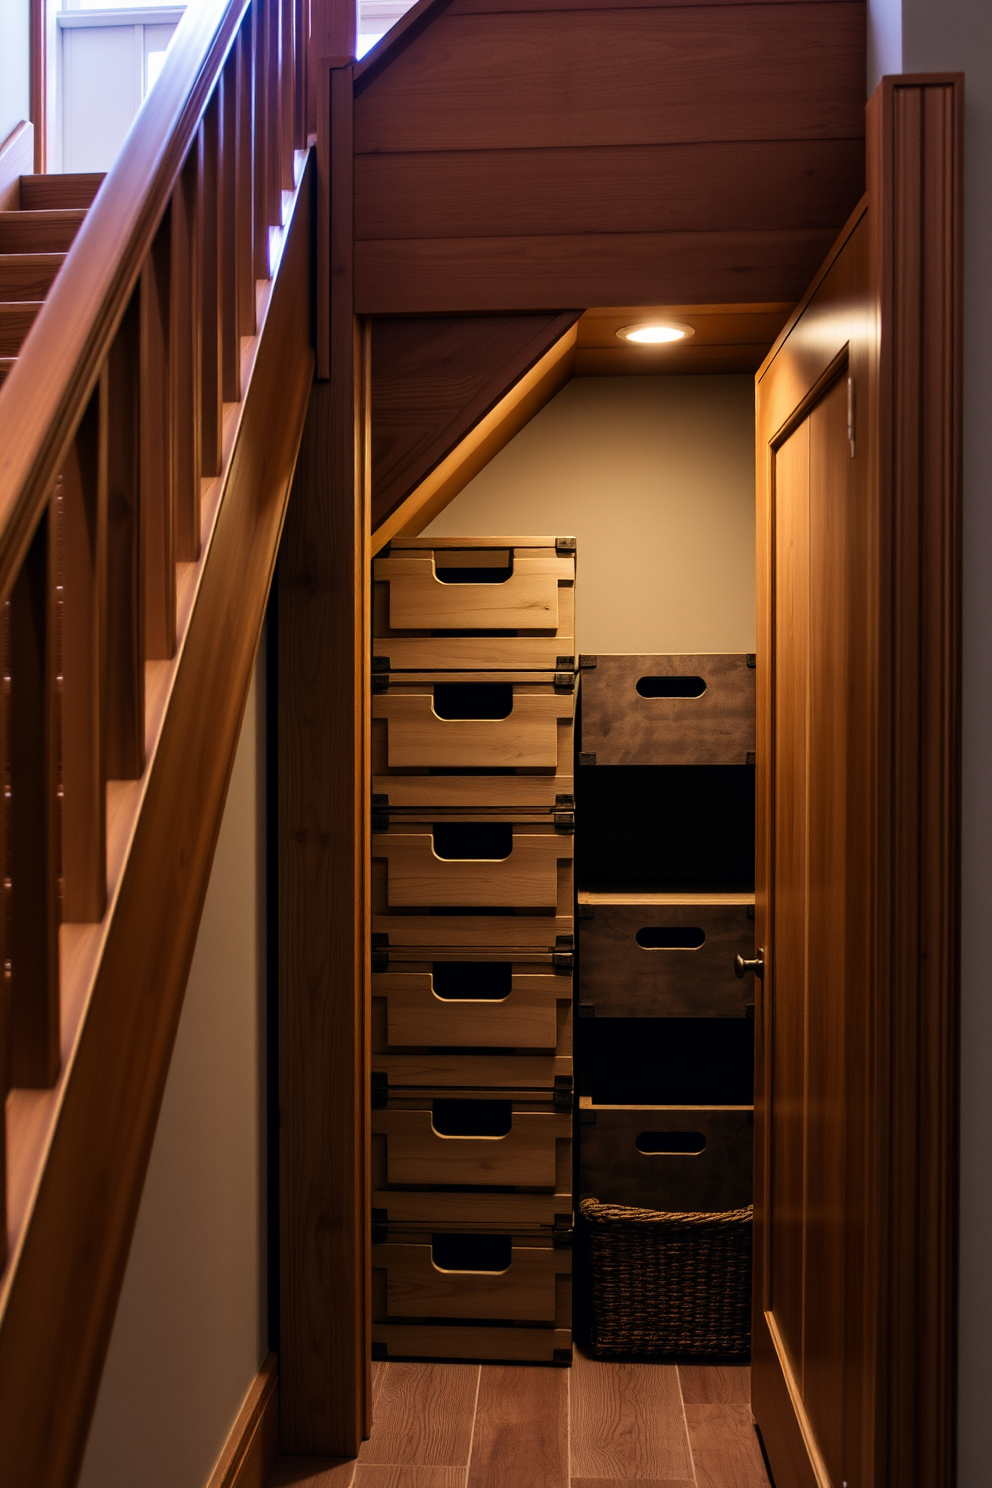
[
  {"x": 655, "y": 478},
  {"x": 190, "y": 1330},
  {"x": 15, "y": 65},
  {"x": 956, "y": 36}
]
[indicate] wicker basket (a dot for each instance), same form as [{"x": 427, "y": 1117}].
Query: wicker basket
[{"x": 671, "y": 1284}]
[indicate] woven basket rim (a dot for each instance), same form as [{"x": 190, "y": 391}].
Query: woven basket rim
[{"x": 595, "y": 1212}]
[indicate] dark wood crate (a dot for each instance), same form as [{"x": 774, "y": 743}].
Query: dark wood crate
[
  {"x": 613, "y": 1170},
  {"x": 620, "y": 726},
  {"x": 664, "y": 955}
]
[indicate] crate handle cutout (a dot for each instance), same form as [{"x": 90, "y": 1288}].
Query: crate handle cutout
[
  {"x": 489, "y": 1253},
  {"x": 472, "y": 1118},
  {"x": 489, "y": 842},
  {"x": 471, "y": 981},
  {"x": 485, "y": 701},
  {"x": 671, "y": 687},
  {"x": 474, "y": 566},
  {"x": 670, "y": 1143},
  {"x": 670, "y": 938}
]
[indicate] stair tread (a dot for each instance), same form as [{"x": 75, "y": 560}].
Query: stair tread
[
  {"x": 16, "y": 319},
  {"x": 28, "y": 276},
  {"x": 6, "y": 363},
  {"x": 48, "y": 231},
  {"x": 70, "y": 190}
]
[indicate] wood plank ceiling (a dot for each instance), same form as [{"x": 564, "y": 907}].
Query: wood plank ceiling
[
  {"x": 726, "y": 338},
  {"x": 522, "y": 155}
]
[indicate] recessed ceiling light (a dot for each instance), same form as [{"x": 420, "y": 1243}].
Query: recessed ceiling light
[{"x": 656, "y": 333}]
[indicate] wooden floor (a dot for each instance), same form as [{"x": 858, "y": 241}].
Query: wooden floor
[{"x": 591, "y": 1426}]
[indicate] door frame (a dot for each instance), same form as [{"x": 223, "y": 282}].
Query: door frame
[{"x": 913, "y": 419}]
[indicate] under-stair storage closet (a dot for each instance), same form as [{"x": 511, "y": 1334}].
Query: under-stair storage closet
[
  {"x": 473, "y": 938},
  {"x": 665, "y": 1049}
]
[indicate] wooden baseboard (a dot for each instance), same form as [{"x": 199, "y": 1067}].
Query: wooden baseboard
[{"x": 250, "y": 1452}]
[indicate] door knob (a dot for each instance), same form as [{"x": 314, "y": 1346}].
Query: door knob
[{"x": 742, "y": 965}]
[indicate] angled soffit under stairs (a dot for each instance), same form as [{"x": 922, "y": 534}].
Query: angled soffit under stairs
[{"x": 447, "y": 394}]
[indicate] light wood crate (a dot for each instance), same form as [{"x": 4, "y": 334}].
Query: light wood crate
[
  {"x": 535, "y": 1152},
  {"x": 408, "y": 1284},
  {"x": 515, "y": 932},
  {"x": 535, "y": 603},
  {"x": 410, "y": 734},
  {"x": 515, "y": 1075},
  {"x": 407, "y": 1012},
  {"x": 621, "y": 727},
  {"x": 613, "y": 1170},
  {"x": 622, "y": 978},
  {"x": 521, "y": 1213},
  {"x": 534, "y": 794},
  {"x": 408, "y": 874},
  {"x": 494, "y": 1345}
]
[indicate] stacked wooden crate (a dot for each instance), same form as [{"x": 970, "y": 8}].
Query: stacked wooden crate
[
  {"x": 666, "y": 906},
  {"x": 472, "y": 897}
]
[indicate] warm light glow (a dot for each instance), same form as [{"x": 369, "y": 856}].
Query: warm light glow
[{"x": 655, "y": 334}]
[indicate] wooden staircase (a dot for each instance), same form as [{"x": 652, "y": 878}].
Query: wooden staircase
[
  {"x": 34, "y": 240},
  {"x": 155, "y": 331}
]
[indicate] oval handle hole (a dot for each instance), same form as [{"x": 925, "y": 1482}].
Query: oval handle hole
[
  {"x": 472, "y": 1252},
  {"x": 670, "y": 938},
  {"x": 490, "y": 840},
  {"x": 472, "y": 981},
  {"x": 474, "y": 565},
  {"x": 483, "y": 700},
  {"x": 658, "y": 1142},
  {"x": 671, "y": 687},
  {"x": 472, "y": 1118}
]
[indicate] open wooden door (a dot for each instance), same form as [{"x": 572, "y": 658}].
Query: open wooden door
[{"x": 858, "y": 469}]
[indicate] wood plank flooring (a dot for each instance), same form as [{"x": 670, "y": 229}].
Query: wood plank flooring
[{"x": 595, "y": 1425}]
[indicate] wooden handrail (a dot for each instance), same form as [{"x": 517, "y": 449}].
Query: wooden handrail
[{"x": 148, "y": 431}]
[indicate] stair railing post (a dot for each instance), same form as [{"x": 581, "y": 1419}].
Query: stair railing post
[
  {"x": 84, "y": 666},
  {"x": 33, "y": 849}
]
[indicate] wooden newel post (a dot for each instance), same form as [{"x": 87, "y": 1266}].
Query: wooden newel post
[{"x": 333, "y": 35}]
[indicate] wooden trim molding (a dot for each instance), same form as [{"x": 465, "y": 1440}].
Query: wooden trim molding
[
  {"x": 249, "y": 1454},
  {"x": 915, "y": 128},
  {"x": 16, "y": 160},
  {"x": 39, "y": 83},
  {"x": 324, "y": 940},
  {"x": 515, "y": 409}
]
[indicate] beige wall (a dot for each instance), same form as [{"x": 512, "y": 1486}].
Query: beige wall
[
  {"x": 15, "y": 65},
  {"x": 190, "y": 1330},
  {"x": 655, "y": 478}
]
